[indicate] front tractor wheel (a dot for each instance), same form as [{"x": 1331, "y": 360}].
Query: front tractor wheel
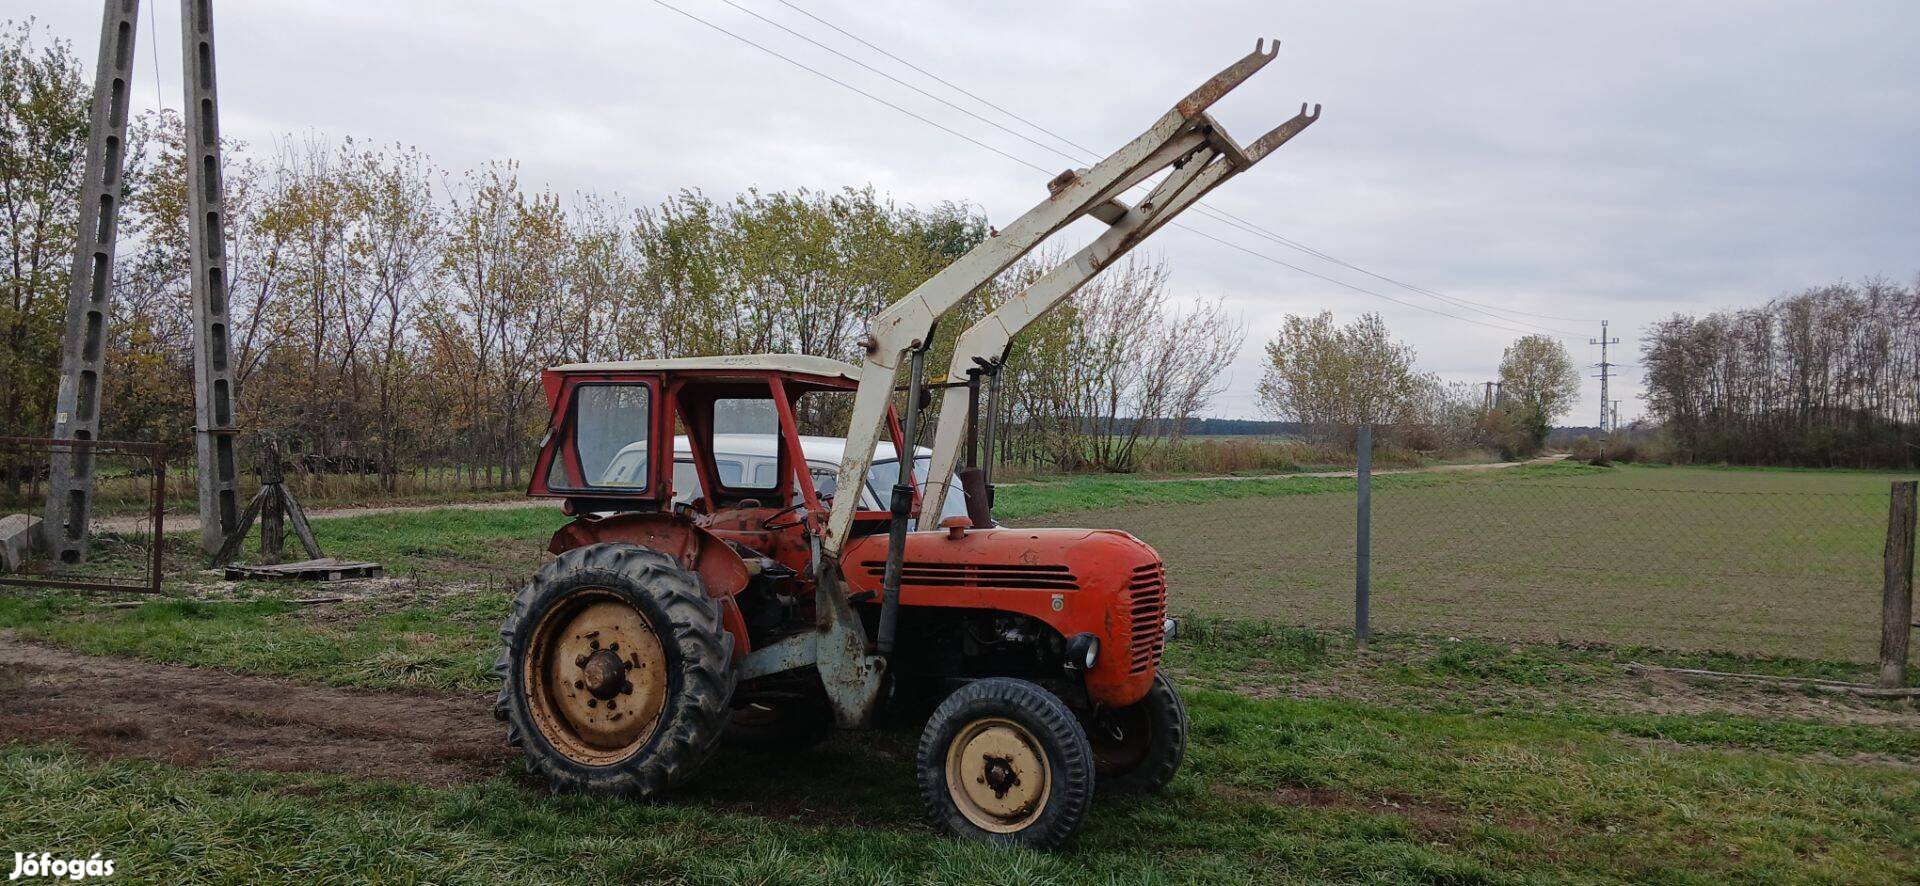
[
  {"x": 617, "y": 676},
  {"x": 1005, "y": 761},
  {"x": 1139, "y": 748}
]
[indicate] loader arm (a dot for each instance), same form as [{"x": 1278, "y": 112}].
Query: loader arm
[
  {"x": 906, "y": 324},
  {"x": 1208, "y": 167}
]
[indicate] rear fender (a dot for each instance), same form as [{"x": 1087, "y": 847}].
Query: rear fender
[{"x": 720, "y": 568}]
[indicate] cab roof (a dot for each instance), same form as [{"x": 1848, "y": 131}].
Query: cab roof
[{"x": 747, "y": 363}]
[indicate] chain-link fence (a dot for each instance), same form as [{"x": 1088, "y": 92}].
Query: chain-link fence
[
  {"x": 1751, "y": 561},
  {"x": 1763, "y": 562}
]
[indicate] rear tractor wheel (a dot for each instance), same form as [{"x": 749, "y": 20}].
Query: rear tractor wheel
[
  {"x": 617, "y": 673},
  {"x": 1005, "y": 761}
]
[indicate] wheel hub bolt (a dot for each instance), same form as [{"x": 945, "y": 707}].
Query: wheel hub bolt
[
  {"x": 1000, "y": 775},
  {"x": 604, "y": 674}
]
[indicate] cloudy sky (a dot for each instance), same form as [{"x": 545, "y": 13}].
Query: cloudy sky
[{"x": 1616, "y": 161}]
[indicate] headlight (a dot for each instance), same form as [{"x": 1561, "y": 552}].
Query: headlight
[{"x": 1082, "y": 652}]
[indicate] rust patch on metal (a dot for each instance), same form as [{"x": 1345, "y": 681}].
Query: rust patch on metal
[{"x": 1222, "y": 83}]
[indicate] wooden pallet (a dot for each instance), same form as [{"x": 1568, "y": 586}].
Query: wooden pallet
[{"x": 322, "y": 569}]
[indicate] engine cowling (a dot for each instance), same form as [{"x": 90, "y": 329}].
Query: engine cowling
[{"x": 1099, "y": 581}]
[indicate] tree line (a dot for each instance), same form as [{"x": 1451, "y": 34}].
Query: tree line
[
  {"x": 1332, "y": 377},
  {"x": 1827, "y": 377},
  {"x": 392, "y": 314}
]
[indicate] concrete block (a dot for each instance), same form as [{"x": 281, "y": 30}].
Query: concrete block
[{"x": 19, "y": 539}]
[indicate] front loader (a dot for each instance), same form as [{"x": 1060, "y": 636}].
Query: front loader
[{"x": 725, "y": 576}]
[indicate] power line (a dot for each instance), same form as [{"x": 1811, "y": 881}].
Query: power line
[
  {"x": 1022, "y": 136},
  {"x": 1250, "y": 228},
  {"x": 844, "y": 84},
  {"x": 936, "y": 77},
  {"x": 1220, "y": 215},
  {"x": 1043, "y": 170},
  {"x": 1479, "y": 307},
  {"x": 1338, "y": 282}
]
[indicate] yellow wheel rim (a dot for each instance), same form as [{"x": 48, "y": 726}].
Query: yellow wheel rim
[
  {"x": 595, "y": 678},
  {"x": 997, "y": 775}
]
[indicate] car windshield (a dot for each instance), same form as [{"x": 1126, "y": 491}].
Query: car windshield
[
  {"x": 880, "y": 480},
  {"x": 883, "y": 474}
]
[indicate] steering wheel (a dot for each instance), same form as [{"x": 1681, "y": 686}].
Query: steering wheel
[{"x": 773, "y": 523}]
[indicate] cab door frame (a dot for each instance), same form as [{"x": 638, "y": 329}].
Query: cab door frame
[{"x": 560, "y": 445}]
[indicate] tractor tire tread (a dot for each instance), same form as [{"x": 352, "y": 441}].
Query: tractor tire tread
[
  {"x": 1069, "y": 757},
  {"x": 699, "y": 648},
  {"x": 1169, "y": 750}
]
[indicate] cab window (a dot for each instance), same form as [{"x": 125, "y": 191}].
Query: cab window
[
  {"x": 686, "y": 480},
  {"x": 608, "y": 435},
  {"x": 742, "y": 423}
]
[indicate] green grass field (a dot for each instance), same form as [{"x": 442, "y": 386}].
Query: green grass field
[
  {"x": 1505, "y": 756},
  {"x": 1759, "y": 562}
]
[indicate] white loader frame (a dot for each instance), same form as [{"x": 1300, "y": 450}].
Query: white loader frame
[
  {"x": 1202, "y": 156},
  {"x": 1206, "y": 168}
]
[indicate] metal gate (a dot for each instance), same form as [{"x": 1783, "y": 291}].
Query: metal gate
[{"x": 120, "y": 548}]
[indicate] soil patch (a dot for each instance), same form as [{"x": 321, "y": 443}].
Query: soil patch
[{"x": 187, "y": 716}]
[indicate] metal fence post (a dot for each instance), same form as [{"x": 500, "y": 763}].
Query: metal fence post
[
  {"x": 1896, "y": 595},
  {"x": 1363, "y": 536}
]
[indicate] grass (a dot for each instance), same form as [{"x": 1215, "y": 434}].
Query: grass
[
  {"x": 438, "y": 644},
  {"x": 1073, "y": 494},
  {"x": 1276, "y": 789}
]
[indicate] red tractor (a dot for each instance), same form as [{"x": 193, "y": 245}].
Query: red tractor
[{"x": 725, "y": 575}]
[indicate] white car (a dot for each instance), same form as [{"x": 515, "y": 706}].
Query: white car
[{"x": 746, "y": 461}]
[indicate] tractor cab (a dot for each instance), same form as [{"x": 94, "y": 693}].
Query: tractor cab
[{"x": 720, "y": 439}]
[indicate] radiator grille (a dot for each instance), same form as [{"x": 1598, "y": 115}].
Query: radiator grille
[
  {"x": 1146, "y": 609},
  {"x": 978, "y": 575}
]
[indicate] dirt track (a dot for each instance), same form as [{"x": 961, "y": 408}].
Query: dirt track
[{"x": 187, "y": 716}]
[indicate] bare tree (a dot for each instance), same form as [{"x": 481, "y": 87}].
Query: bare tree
[
  {"x": 1826, "y": 377},
  {"x": 1096, "y": 381},
  {"x": 1330, "y": 377}
]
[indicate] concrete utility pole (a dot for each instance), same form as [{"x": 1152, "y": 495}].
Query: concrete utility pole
[
  {"x": 214, "y": 431},
  {"x": 90, "y": 298},
  {"x": 1606, "y": 371}
]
